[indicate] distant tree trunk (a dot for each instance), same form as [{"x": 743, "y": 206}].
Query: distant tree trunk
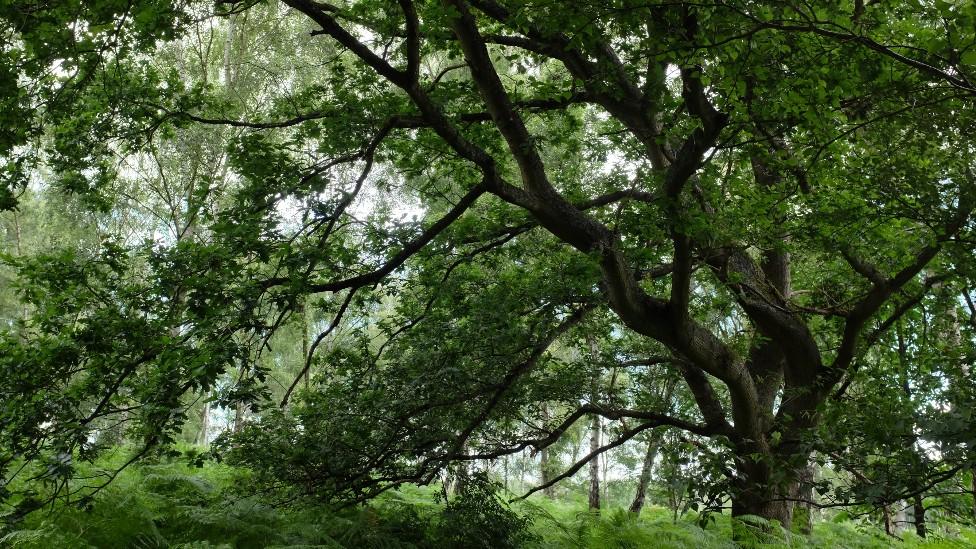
[
  {"x": 238, "y": 417},
  {"x": 653, "y": 445},
  {"x": 202, "y": 438},
  {"x": 522, "y": 471},
  {"x": 229, "y": 51},
  {"x": 20, "y": 252},
  {"x": 455, "y": 475},
  {"x": 594, "y": 499},
  {"x": 645, "y": 477},
  {"x": 544, "y": 472},
  {"x": 446, "y": 485},
  {"x": 973, "y": 473},
  {"x": 604, "y": 484},
  {"x": 17, "y": 235},
  {"x": 605, "y": 457},
  {"x": 304, "y": 326},
  {"x": 957, "y": 339},
  {"x": 545, "y": 468},
  {"x": 595, "y": 428},
  {"x": 918, "y": 508},
  {"x": 461, "y": 472},
  {"x": 886, "y": 515},
  {"x": 900, "y": 519}
]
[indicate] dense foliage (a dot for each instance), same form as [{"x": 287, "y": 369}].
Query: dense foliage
[{"x": 722, "y": 251}]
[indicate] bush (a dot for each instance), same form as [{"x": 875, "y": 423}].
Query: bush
[{"x": 478, "y": 518}]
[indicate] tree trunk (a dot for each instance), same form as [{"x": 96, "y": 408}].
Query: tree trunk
[
  {"x": 760, "y": 501},
  {"x": 605, "y": 484},
  {"x": 919, "y": 511},
  {"x": 757, "y": 492},
  {"x": 900, "y": 520},
  {"x": 545, "y": 468},
  {"x": 522, "y": 462},
  {"x": 903, "y": 359},
  {"x": 645, "y": 476},
  {"x": 594, "y": 499},
  {"x": 457, "y": 474},
  {"x": 303, "y": 314},
  {"x": 973, "y": 473},
  {"x": 803, "y": 508},
  {"x": 238, "y": 417},
  {"x": 202, "y": 438}
]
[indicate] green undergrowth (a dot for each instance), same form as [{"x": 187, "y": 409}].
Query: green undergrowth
[{"x": 172, "y": 505}]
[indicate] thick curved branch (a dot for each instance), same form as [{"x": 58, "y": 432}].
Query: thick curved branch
[{"x": 413, "y": 39}]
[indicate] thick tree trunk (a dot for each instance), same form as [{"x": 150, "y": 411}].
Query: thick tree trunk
[
  {"x": 759, "y": 492},
  {"x": 918, "y": 509},
  {"x": 594, "y": 499},
  {"x": 645, "y": 476},
  {"x": 803, "y": 508},
  {"x": 759, "y": 500}
]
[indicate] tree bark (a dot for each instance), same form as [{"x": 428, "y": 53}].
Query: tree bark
[
  {"x": 803, "y": 509},
  {"x": 594, "y": 496},
  {"x": 972, "y": 472},
  {"x": 238, "y": 417},
  {"x": 759, "y": 500},
  {"x": 545, "y": 468},
  {"x": 918, "y": 509},
  {"x": 544, "y": 473},
  {"x": 900, "y": 521},
  {"x": 645, "y": 476},
  {"x": 595, "y": 428},
  {"x": 202, "y": 438},
  {"x": 758, "y": 492}
]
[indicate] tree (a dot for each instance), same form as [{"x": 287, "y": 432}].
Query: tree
[{"x": 758, "y": 192}]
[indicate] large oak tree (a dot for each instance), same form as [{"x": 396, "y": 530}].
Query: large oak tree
[{"x": 752, "y": 194}]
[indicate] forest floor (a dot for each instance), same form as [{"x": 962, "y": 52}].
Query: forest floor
[{"x": 170, "y": 504}]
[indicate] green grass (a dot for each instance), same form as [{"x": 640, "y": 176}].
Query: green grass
[{"x": 174, "y": 505}]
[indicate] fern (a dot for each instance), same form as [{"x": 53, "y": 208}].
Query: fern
[{"x": 172, "y": 506}]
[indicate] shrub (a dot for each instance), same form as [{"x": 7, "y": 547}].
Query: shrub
[{"x": 478, "y": 518}]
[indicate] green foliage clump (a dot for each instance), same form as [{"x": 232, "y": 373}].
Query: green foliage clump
[{"x": 477, "y": 518}]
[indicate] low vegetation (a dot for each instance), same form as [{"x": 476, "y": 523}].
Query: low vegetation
[{"x": 167, "y": 503}]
